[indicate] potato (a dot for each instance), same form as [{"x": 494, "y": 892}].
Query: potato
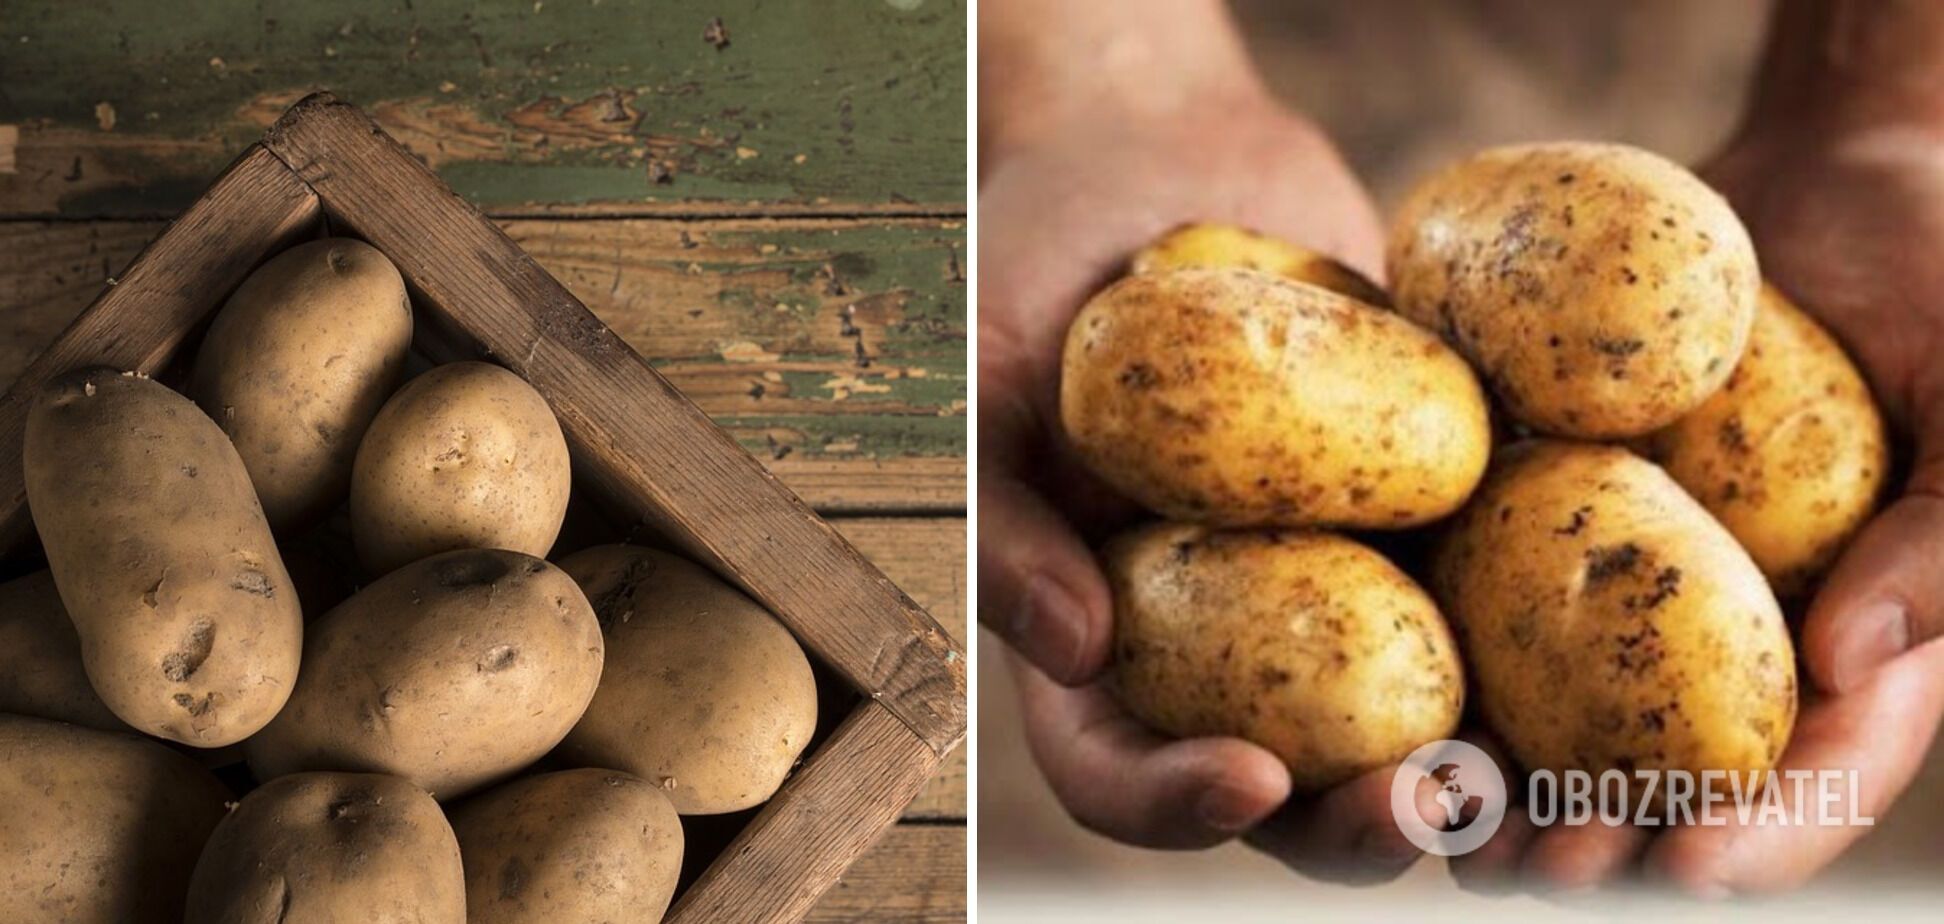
[
  {"x": 1791, "y": 455},
  {"x": 189, "y": 627},
  {"x": 466, "y": 456},
  {"x": 1215, "y": 245},
  {"x": 295, "y": 366},
  {"x": 1610, "y": 623},
  {"x": 1306, "y": 643},
  {"x": 708, "y": 696},
  {"x": 100, "y": 827},
  {"x": 329, "y": 847},
  {"x": 1601, "y": 291},
  {"x": 452, "y": 672},
  {"x": 40, "y": 658},
  {"x": 577, "y": 845},
  {"x": 1235, "y": 398}
]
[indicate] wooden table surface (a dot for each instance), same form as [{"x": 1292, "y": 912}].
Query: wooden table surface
[{"x": 776, "y": 223}]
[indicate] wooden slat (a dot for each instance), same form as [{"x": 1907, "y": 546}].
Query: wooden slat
[
  {"x": 635, "y": 437},
  {"x": 255, "y": 209},
  {"x": 790, "y": 301},
  {"x": 915, "y": 873},
  {"x": 828, "y": 813},
  {"x": 129, "y": 107}
]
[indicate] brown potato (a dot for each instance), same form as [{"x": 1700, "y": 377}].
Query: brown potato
[
  {"x": 1214, "y": 245},
  {"x": 331, "y": 847},
  {"x": 577, "y": 845},
  {"x": 1236, "y": 398},
  {"x": 1791, "y": 455},
  {"x": 190, "y": 629},
  {"x": 1306, "y": 643},
  {"x": 709, "y": 696},
  {"x": 99, "y": 827},
  {"x": 40, "y": 658},
  {"x": 1601, "y": 291}
]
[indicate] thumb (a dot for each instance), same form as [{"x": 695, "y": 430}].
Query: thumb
[
  {"x": 1886, "y": 594},
  {"x": 1039, "y": 587}
]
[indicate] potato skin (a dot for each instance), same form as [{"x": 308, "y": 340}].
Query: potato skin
[
  {"x": 1236, "y": 398},
  {"x": 452, "y": 672},
  {"x": 466, "y": 456},
  {"x": 297, "y": 363},
  {"x": 1214, "y": 245},
  {"x": 1791, "y": 455},
  {"x": 707, "y": 695},
  {"x": 40, "y": 658},
  {"x": 101, "y": 827},
  {"x": 1601, "y": 291},
  {"x": 1306, "y": 643},
  {"x": 326, "y": 847},
  {"x": 1609, "y": 622},
  {"x": 576, "y": 845},
  {"x": 190, "y": 629}
]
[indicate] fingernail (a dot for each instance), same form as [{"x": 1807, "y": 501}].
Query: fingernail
[
  {"x": 1048, "y": 628},
  {"x": 1225, "y": 808},
  {"x": 1876, "y": 633}
]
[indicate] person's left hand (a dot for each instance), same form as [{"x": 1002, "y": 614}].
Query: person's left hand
[{"x": 1851, "y": 228}]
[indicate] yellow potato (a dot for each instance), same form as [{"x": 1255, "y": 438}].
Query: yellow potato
[
  {"x": 1791, "y": 455},
  {"x": 466, "y": 456},
  {"x": 576, "y": 845},
  {"x": 1306, "y": 643},
  {"x": 297, "y": 363},
  {"x": 708, "y": 695},
  {"x": 40, "y": 658},
  {"x": 190, "y": 629},
  {"x": 1214, "y": 246},
  {"x": 331, "y": 847},
  {"x": 97, "y": 827},
  {"x": 1236, "y": 398},
  {"x": 1609, "y": 623},
  {"x": 1601, "y": 291}
]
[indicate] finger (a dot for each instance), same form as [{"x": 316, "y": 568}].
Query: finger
[
  {"x": 1886, "y": 594},
  {"x": 1345, "y": 835},
  {"x": 1119, "y": 779},
  {"x": 1579, "y": 858},
  {"x": 1881, "y": 730},
  {"x": 1039, "y": 587},
  {"x": 1495, "y": 867}
]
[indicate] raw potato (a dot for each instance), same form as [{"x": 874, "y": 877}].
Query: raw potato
[
  {"x": 1790, "y": 455},
  {"x": 190, "y": 629},
  {"x": 1218, "y": 245},
  {"x": 1601, "y": 291},
  {"x": 1236, "y": 398},
  {"x": 327, "y": 847},
  {"x": 40, "y": 658},
  {"x": 452, "y": 672},
  {"x": 577, "y": 845},
  {"x": 466, "y": 456},
  {"x": 297, "y": 363},
  {"x": 1610, "y": 623},
  {"x": 1306, "y": 643},
  {"x": 99, "y": 827},
  {"x": 707, "y": 696}
]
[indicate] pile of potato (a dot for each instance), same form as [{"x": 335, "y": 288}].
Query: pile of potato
[
  {"x": 475, "y": 734},
  {"x": 1677, "y": 446}
]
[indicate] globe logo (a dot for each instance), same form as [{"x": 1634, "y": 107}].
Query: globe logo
[{"x": 1469, "y": 789}]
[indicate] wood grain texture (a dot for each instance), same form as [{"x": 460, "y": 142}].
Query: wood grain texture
[
  {"x": 128, "y": 108},
  {"x": 257, "y": 208},
  {"x": 635, "y": 438},
  {"x": 829, "y": 812},
  {"x": 915, "y": 873},
  {"x": 834, "y": 350}
]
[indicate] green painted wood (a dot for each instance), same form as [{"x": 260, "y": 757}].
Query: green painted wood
[{"x": 129, "y": 107}]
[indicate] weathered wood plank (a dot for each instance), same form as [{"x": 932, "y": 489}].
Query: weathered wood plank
[
  {"x": 914, "y": 873},
  {"x": 760, "y": 322},
  {"x": 128, "y": 108}
]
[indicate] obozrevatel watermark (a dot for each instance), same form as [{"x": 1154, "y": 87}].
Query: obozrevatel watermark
[{"x": 1470, "y": 791}]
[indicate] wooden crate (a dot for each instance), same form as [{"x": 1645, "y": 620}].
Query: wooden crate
[{"x": 638, "y": 445}]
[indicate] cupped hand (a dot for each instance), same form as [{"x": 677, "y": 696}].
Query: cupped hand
[{"x": 1059, "y": 217}]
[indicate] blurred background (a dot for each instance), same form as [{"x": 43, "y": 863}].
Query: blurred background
[{"x": 1405, "y": 86}]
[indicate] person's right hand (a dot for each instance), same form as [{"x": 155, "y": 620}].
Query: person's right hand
[{"x": 1059, "y": 216}]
